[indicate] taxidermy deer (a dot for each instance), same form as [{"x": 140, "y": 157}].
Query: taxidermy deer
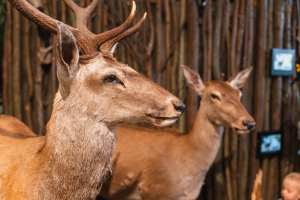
[
  {"x": 170, "y": 165},
  {"x": 95, "y": 94}
]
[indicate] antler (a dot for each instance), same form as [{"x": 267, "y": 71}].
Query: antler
[
  {"x": 88, "y": 43},
  {"x": 108, "y": 45},
  {"x": 104, "y": 37},
  {"x": 35, "y": 15},
  {"x": 82, "y": 14}
]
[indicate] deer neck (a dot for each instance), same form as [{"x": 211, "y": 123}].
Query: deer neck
[
  {"x": 77, "y": 153},
  {"x": 205, "y": 139}
]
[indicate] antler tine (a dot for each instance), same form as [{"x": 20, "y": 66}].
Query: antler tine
[
  {"x": 91, "y": 7},
  {"x": 74, "y": 7},
  {"x": 108, "y": 45},
  {"x": 82, "y": 14},
  {"x": 35, "y": 15},
  {"x": 106, "y": 36}
]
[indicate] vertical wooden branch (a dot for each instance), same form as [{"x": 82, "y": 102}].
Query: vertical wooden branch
[
  {"x": 53, "y": 74},
  {"x": 6, "y": 62},
  {"x": 230, "y": 147},
  {"x": 286, "y": 98},
  {"x": 247, "y": 102},
  {"x": 294, "y": 96},
  {"x": 298, "y": 16},
  {"x": 276, "y": 97},
  {"x": 27, "y": 63},
  {"x": 250, "y": 40},
  {"x": 232, "y": 190},
  {"x": 136, "y": 43},
  {"x": 98, "y": 18},
  {"x": 175, "y": 31},
  {"x": 53, "y": 78},
  {"x": 17, "y": 104},
  {"x": 38, "y": 90},
  {"x": 209, "y": 38},
  {"x": 82, "y": 3},
  {"x": 233, "y": 164},
  {"x": 216, "y": 40},
  {"x": 159, "y": 41},
  {"x": 227, "y": 164},
  {"x": 181, "y": 62},
  {"x": 240, "y": 33},
  {"x": 71, "y": 17},
  {"x": 258, "y": 87},
  {"x": 63, "y": 12},
  {"x": 266, "y": 126},
  {"x": 234, "y": 137},
  {"x": 225, "y": 32},
  {"x": 232, "y": 55},
  {"x": 150, "y": 44},
  {"x": 204, "y": 46},
  {"x": 105, "y": 20},
  {"x": 167, "y": 41},
  {"x": 193, "y": 53}
]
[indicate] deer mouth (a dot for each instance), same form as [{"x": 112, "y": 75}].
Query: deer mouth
[
  {"x": 162, "y": 118},
  {"x": 162, "y": 121}
]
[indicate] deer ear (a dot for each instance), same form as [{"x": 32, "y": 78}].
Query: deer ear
[
  {"x": 192, "y": 78},
  {"x": 237, "y": 81},
  {"x": 67, "y": 58}
]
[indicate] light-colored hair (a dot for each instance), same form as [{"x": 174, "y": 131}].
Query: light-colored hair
[{"x": 295, "y": 176}]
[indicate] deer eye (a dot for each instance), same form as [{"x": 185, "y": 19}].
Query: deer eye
[
  {"x": 111, "y": 79},
  {"x": 215, "y": 97}
]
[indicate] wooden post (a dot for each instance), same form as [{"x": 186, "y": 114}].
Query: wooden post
[
  {"x": 258, "y": 88},
  {"x": 16, "y": 65},
  {"x": 193, "y": 57}
]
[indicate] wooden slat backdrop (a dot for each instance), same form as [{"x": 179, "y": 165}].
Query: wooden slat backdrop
[{"x": 215, "y": 37}]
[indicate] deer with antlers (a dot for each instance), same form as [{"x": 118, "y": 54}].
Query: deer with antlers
[
  {"x": 95, "y": 94},
  {"x": 171, "y": 165}
]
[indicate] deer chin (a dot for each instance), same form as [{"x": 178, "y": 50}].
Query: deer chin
[
  {"x": 162, "y": 121},
  {"x": 241, "y": 131}
]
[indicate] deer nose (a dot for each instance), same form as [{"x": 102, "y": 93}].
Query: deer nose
[
  {"x": 179, "y": 106},
  {"x": 250, "y": 125}
]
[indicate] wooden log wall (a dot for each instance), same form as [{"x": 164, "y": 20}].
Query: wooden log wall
[{"x": 215, "y": 37}]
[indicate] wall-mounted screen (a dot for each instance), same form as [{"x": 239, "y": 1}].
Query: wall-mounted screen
[
  {"x": 269, "y": 143},
  {"x": 283, "y": 62}
]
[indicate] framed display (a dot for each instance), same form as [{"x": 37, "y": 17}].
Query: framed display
[
  {"x": 269, "y": 143},
  {"x": 283, "y": 62}
]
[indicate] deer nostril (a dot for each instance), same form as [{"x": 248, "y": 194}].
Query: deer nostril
[
  {"x": 250, "y": 125},
  {"x": 179, "y": 107}
]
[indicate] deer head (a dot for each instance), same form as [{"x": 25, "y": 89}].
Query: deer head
[
  {"x": 222, "y": 99},
  {"x": 93, "y": 81}
]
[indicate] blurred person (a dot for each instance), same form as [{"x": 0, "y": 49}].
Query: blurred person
[{"x": 291, "y": 187}]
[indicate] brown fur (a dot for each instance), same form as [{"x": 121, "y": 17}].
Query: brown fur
[
  {"x": 73, "y": 159},
  {"x": 168, "y": 164}
]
